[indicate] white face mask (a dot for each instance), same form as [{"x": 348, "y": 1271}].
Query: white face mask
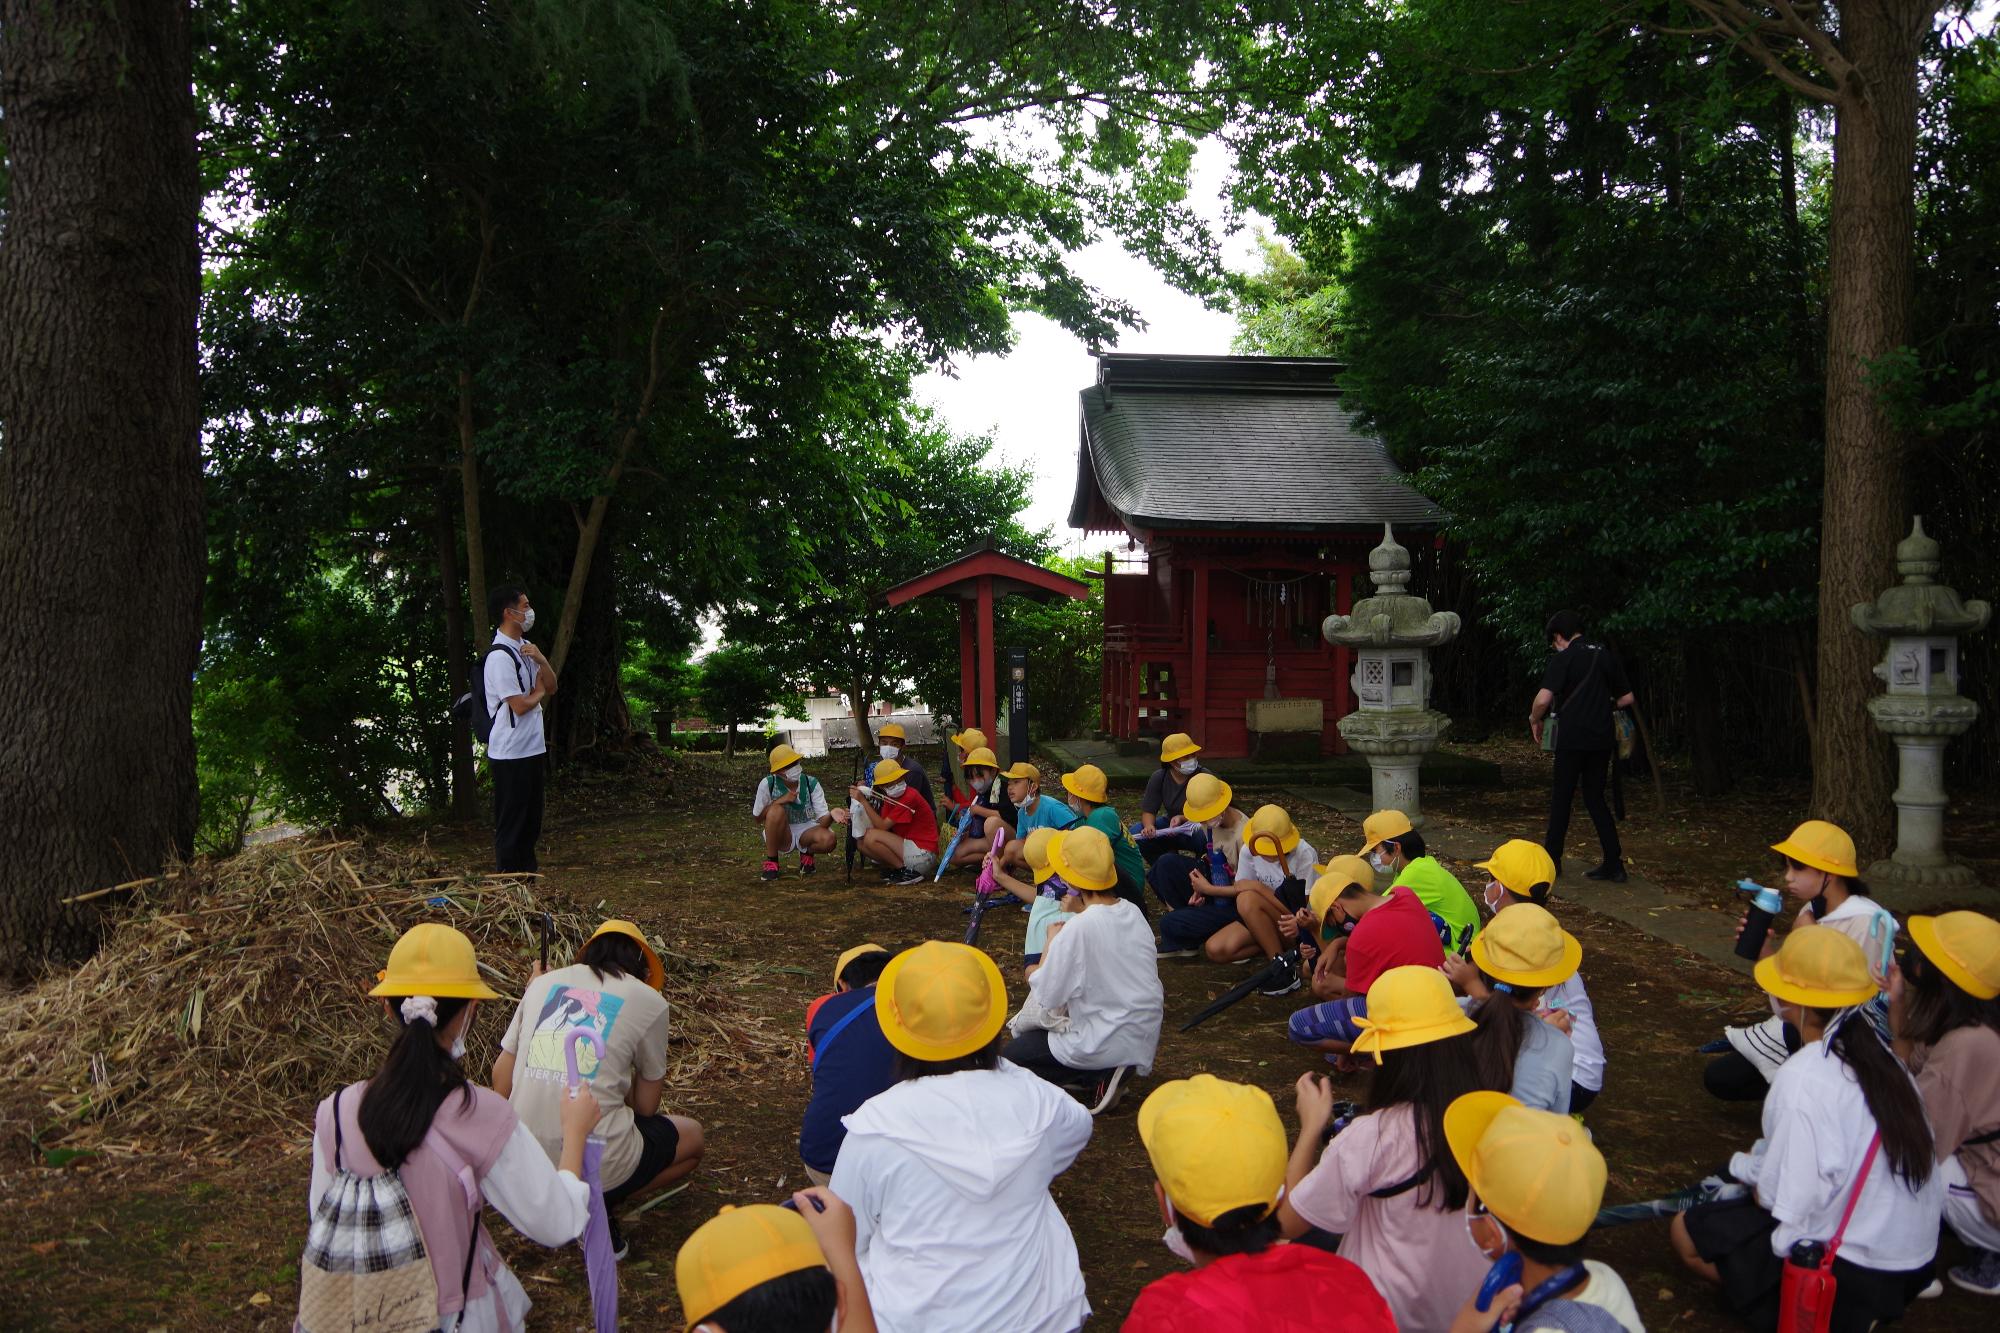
[
  {"x": 895, "y": 789},
  {"x": 458, "y": 1047},
  {"x": 888, "y": 751},
  {"x": 1382, "y": 862},
  {"x": 1188, "y": 765},
  {"x": 1495, "y": 897},
  {"x": 527, "y": 620},
  {"x": 1177, "y": 1244},
  {"x": 794, "y": 773}
]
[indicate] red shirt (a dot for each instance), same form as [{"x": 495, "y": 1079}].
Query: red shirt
[
  {"x": 919, "y": 825},
  {"x": 1399, "y": 933},
  {"x": 1286, "y": 1289}
]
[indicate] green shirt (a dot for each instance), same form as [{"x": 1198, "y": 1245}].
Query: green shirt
[
  {"x": 1124, "y": 852},
  {"x": 1444, "y": 897}
]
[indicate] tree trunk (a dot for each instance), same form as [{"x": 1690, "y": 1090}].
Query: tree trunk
[
  {"x": 1868, "y": 312},
  {"x": 101, "y": 541},
  {"x": 590, "y": 711},
  {"x": 458, "y": 668},
  {"x": 475, "y": 539}
]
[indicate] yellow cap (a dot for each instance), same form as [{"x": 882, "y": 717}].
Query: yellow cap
[
  {"x": 433, "y": 959},
  {"x": 1523, "y": 946},
  {"x": 1822, "y": 846},
  {"x": 1816, "y": 966},
  {"x": 940, "y": 1000},
  {"x": 980, "y": 758},
  {"x": 1334, "y": 878},
  {"x": 1271, "y": 824},
  {"x": 1409, "y": 1006},
  {"x": 737, "y": 1249},
  {"x": 1966, "y": 948},
  {"x": 972, "y": 738},
  {"x": 1024, "y": 769},
  {"x": 1207, "y": 797},
  {"x": 1035, "y": 851},
  {"x": 1383, "y": 824},
  {"x": 1177, "y": 746},
  {"x": 1087, "y": 784},
  {"x": 891, "y": 731},
  {"x": 656, "y": 975},
  {"x": 1082, "y": 856},
  {"x": 1215, "y": 1146},
  {"x": 888, "y": 771},
  {"x": 1538, "y": 1172},
  {"x": 784, "y": 756},
  {"x": 840, "y": 965},
  {"x": 1518, "y": 865}
]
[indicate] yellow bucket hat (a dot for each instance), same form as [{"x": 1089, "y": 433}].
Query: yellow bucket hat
[
  {"x": 1035, "y": 851},
  {"x": 891, "y": 731},
  {"x": 1215, "y": 1146},
  {"x": 1538, "y": 1172},
  {"x": 1965, "y": 946},
  {"x": 1334, "y": 878},
  {"x": 737, "y": 1249},
  {"x": 1087, "y": 784},
  {"x": 1207, "y": 797},
  {"x": 1409, "y": 1006},
  {"x": 980, "y": 758},
  {"x": 1380, "y": 825},
  {"x": 433, "y": 959},
  {"x": 857, "y": 951},
  {"x": 888, "y": 771},
  {"x": 1816, "y": 966},
  {"x": 1518, "y": 865},
  {"x": 1822, "y": 846},
  {"x": 1271, "y": 823},
  {"x": 940, "y": 1001},
  {"x": 972, "y": 738},
  {"x": 1024, "y": 769},
  {"x": 1523, "y": 946},
  {"x": 1082, "y": 856},
  {"x": 1177, "y": 746},
  {"x": 656, "y": 975},
  {"x": 784, "y": 756}
]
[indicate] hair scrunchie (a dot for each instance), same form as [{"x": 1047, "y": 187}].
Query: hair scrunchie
[{"x": 415, "y": 1007}]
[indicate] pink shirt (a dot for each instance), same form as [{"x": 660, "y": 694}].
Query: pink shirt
[{"x": 1419, "y": 1258}]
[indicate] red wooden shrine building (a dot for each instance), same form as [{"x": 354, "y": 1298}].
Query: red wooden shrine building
[{"x": 1249, "y": 501}]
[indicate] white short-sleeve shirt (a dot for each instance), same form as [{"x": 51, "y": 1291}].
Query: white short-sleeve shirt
[{"x": 515, "y": 736}]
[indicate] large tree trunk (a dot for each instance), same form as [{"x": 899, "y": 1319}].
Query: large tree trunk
[
  {"x": 1868, "y": 313},
  {"x": 458, "y": 668},
  {"x": 101, "y": 543},
  {"x": 475, "y": 527},
  {"x": 590, "y": 712}
]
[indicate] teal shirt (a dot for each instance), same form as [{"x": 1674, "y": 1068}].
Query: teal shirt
[
  {"x": 1124, "y": 852},
  {"x": 1444, "y": 897},
  {"x": 1048, "y": 813}
]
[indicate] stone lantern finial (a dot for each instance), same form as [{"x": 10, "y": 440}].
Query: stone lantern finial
[
  {"x": 1918, "y": 556},
  {"x": 1389, "y": 566}
]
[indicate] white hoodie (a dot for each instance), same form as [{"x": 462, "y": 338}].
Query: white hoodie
[{"x": 949, "y": 1178}]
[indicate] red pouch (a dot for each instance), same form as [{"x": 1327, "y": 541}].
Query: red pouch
[{"x": 1808, "y": 1290}]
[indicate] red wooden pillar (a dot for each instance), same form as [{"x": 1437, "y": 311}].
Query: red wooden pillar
[
  {"x": 988, "y": 719},
  {"x": 968, "y": 666},
  {"x": 1197, "y": 706}
]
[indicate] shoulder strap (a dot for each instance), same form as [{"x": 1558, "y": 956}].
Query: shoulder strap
[
  {"x": 494, "y": 709},
  {"x": 1401, "y": 1186},
  {"x": 826, "y": 1042},
  {"x": 1990, "y": 1136},
  {"x": 1596, "y": 656},
  {"x": 1853, "y": 1197},
  {"x": 462, "y": 1174},
  {"x": 338, "y": 1141}
]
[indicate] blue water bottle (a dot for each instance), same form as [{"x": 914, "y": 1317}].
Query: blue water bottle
[
  {"x": 1764, "y": 906},
  {"x": 1218, "y": 867}
]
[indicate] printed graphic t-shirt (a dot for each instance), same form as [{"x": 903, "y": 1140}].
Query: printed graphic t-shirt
[{"x": 630, "y": 1018}]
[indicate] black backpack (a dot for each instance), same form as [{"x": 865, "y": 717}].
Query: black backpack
[{"x": 472, "y": 707}]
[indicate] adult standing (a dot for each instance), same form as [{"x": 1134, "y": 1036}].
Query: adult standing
[
  {"x": 1584, "y": 682},
  {"x": 517, "y": 679}
]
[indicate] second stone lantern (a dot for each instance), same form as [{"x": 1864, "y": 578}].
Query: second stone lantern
[{"x": 1393, "y": 725}]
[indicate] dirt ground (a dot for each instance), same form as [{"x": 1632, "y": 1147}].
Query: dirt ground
[{"x": 174, "y": 1241}]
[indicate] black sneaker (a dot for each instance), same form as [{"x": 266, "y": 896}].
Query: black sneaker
[
  {"x": 620, "y": 1247},
  {"x": 806, "y": 863},
  {"x": 1169, "y": 951},
  {"x": 1611, "y": 872},
  {"x": 770, "y": 870},
  {"x": 905, "y": 877},
  {"x": 1285, "y": 983}
]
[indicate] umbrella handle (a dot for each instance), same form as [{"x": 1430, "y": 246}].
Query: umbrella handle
[{"x": 571, "y": 1040}]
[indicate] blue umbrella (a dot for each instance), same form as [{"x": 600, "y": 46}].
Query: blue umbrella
[{"x": 598, "y": 1261}]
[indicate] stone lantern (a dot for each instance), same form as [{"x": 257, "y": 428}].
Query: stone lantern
[
  {"x": 1392, "y": 633},
  {"x": 1921, "y": 709}
]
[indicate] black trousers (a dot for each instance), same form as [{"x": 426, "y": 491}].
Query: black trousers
[
  {"x": 1031, "y": 1051},
  {"x": 518, "y": 785},
  {"x": 1586, "y": 769}
]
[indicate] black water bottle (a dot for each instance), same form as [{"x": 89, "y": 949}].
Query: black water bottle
[{"x": 1764, "y": 906}]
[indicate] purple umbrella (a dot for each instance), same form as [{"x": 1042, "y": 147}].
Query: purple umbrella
[{"x": 598, "y": 1261}]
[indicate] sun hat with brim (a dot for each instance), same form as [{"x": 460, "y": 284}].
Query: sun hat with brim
[
  {"x": 1538, "y": 1172},
  {"x": 1177, "y": 746},
  {"x": 1334, "y": 879},
  {"x": 1382, "y": 825},
  {"x": 1207, "y": 797},
  {"x": 1271, "y": 822},
  {"x": 1215, "y": 1146},
  {"x": 1087, "y": 783},
  {"x": 980, "y": 758},
  {"x": 1965, "y": 946},
  {"x": 1816, "y": 966},
  {"x": 891, "y": 731},
  {"x": 940, "y": 1001},
  {"x": 852, "y": 954},
  {"x": 433, "y": 959},
  {"x": 737, "y": 1249},
  {"x": 784, "y": 756},
  {"x": 1035, "y": 851},
  {"x": 1024, "y": 769},
  {"x": 1518, "y": 865},
  {"x": 888, "y": 771},
  {"x": 1524, "y": 946},
  {"x": 1082, "y": 856},
  {"x": 656, "y": 975},
  {"x": 1822, "y": 846},
  {"x": 972, "y": 738},
  {"x": 1409, "y": 1006}
]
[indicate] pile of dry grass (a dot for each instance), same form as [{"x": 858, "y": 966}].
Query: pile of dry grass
[{"x": 232, "y": 996}]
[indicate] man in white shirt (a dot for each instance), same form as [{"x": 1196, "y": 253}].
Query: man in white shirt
[{"x": 517, "y": 678}]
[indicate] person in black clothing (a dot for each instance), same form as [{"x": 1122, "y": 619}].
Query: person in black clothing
[
  {"x": 1584, "y": 682},
  {"x": 1165, "y": 795}
]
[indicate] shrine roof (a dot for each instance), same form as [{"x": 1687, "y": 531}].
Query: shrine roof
[
  {"x": 1010, "y": 575},
  {"x": 1240, "y": 442}
]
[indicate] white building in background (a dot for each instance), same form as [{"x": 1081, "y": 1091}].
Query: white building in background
[{"x": 829, "y": 725}]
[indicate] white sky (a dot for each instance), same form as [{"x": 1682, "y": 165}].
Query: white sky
[{"x": 1027, "y": 398}]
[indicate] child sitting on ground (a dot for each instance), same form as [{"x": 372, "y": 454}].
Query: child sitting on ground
[
  {"x": 1099, "y": 981},
  {"x": 790, "y": 808},
  {"x": 1536, "y": 1181},
  {"x": 1273, "y": 868},
  {"x": 1163, "y": 823},
  {"x": 1521, "y": 953},
  {"x": 1033, "y": 809},
  {"x": 903, "y": 833},
  {"x": 986, "y": 800},
  {"x": 1396, "y": 851},
  {"x": 767, "y": 1269},
  {"x": 1362, "y": 935},
  {"x": 1523, "y": 872},
  {"x": 892, "y": 742},
  {"x": 1039, "y": 889},
  {"x": 1185, "y": 883},
  {"x": 851, "y": 1059},
  {"x": 1218, "y": 1153},
  {"x": 1090, "y": 800}
]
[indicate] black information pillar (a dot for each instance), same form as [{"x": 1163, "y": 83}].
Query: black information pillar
[{"x": 1017, "y": 705}]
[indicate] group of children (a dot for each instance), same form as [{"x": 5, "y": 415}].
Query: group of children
[{"x": 1458, "y": 1197}]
